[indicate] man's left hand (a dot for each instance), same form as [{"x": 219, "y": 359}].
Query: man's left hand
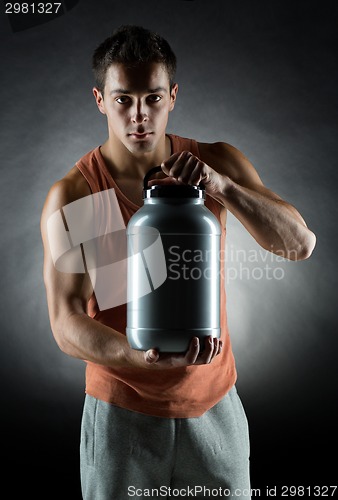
[{"x": 186, "y": 168}]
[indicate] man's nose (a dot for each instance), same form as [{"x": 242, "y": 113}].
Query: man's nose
[{"x": 140, "y": 114}]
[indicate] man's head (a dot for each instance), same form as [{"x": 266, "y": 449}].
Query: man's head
[
  {"x": 135, "y": 87},
  {"x": 131, "y": 46}
]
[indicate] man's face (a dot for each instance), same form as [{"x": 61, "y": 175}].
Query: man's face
[{"x": 137, "y": 102}]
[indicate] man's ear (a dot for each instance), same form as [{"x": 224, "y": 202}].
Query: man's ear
[
  {"x": 173, "y": 95},
  {"x": 99, "y": 100}
]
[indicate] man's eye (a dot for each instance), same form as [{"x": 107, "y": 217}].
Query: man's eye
[
  {"x": 154, "y": 98},
  {"x": 123, "y": 99}
]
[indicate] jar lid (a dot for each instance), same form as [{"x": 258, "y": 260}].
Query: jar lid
[
  {"x": 170, "y": 190},
  {"x": 174, "y": 191}
]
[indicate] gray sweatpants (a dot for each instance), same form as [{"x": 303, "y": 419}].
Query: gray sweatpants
[{"x": 127, "y": 455}]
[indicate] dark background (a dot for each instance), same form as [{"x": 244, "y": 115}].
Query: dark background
[{"x": 260, "y": 75}]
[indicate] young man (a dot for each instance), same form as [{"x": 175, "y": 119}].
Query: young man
[{"x": 153, "y": 420}]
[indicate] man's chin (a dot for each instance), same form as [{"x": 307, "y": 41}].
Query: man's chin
[{"x": 139, "y": 147}]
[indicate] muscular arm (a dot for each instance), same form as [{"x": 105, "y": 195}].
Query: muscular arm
[
  {"x": 76, "y": 333},
  {"x": 231, "y": 179},
  {"x": 68, "y": 293}
]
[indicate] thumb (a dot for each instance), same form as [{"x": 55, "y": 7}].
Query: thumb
[
  {"x": 151, "y": 356},
  {"x": 163, "y": 182}
]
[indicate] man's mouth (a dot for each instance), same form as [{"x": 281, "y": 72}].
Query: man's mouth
[{"x": 139, "y": 135}]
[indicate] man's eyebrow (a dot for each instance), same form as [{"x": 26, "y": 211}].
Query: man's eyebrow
[
  {"x": 158, "y": 89},
  {"x": 149, "y": 91},
  {"x": 120, "y": 91}
]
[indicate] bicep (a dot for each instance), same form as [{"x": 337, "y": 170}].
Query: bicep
[
  {"x": 237, "y": 166},
  {"x": 247, "y": 177},
  {"x": 67, "y": 292},
  {"x": 232, "y": 163},
  {"x": 67, "y": 283}
]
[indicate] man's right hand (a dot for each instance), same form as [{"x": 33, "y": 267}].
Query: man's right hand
[{"x": 193, "y": 356}]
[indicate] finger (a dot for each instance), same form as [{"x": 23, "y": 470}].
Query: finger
[
  {"x": 151, "y": 356},
  {"x": 167, "y": 164},
  {"x": 194, "y": 171},
  {"x": 164, "y": 182},
  {"x": 216, "y": 348},
  {"x": 192, "y": 353},
  {"x": 206, "y": 356},
  {"x": 196, "y": 175},
  {"x": 187, "y": 170},
  {"x": 214, "y": 345},
  {"x": 177, "y": 166}
]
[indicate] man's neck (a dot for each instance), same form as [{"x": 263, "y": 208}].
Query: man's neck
[{"x": 123, "y": 164}]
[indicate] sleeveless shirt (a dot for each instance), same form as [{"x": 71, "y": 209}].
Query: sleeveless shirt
[{"x": 182, "y": 392}]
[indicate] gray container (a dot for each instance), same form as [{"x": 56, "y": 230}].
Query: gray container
[{"x": 173, "y": 283}]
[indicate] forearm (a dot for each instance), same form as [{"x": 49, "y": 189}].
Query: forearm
[
  {"x": 82, "y": 337},
  {"x": 85, "y": 338},
  {"x": 274, "y": 224}
]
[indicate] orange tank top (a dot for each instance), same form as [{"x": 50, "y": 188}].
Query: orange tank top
[{"x": 176, "y": 392}]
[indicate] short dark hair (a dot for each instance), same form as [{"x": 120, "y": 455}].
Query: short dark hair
[{"x": 132, "y": 45}]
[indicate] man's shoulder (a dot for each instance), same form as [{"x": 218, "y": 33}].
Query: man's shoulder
[
  {"x": 224, "y": 158},
  {"x": 217, "y": 148},
  {"x": 213, "y": 149},
  {"x": 69, "y": 188},
  {"x": 73, "y": 185},
  {"x": 218, "y": 152}
]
